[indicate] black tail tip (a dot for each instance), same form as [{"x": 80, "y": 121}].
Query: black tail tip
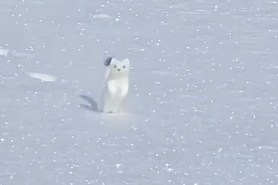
[{"x": 107, "y": 62}]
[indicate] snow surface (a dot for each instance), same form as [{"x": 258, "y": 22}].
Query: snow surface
[
  {"x": 203, "y": 103},
  {"x": 43, "y": 77}
]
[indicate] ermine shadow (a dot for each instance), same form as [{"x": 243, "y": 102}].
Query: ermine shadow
[{"x": 92, "y": 104}]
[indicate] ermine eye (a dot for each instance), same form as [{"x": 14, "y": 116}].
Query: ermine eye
[
  {"x": 123, "y": 66},
  {"x": 115, "y": 66}
]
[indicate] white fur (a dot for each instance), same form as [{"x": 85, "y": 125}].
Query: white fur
[{"x": 116, "y": 86}]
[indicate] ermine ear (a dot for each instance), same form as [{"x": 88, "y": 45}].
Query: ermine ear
[
  {"x": 113, "y": 61},
  {"x": 126, "y": 61},
  {"x": 110, "y": 61}
]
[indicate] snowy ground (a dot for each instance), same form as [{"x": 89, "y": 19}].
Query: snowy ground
[{"x": 203, "y": 104}]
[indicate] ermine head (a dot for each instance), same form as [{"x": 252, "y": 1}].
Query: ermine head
[{"x": 117, "y": 67}]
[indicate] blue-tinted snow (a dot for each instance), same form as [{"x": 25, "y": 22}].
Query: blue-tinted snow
[{"x": 203, "y": 104}]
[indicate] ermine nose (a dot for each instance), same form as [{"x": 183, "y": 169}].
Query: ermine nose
[{"x": 119, "y": 69}]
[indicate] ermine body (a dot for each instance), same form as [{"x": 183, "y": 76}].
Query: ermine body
[{"x": 116, "y": 85}]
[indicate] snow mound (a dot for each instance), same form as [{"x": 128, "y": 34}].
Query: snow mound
[
  {"x": 43, "y": 77},
  {"x": 4, "y": 52},
  {"x": 101, "y": 16}
]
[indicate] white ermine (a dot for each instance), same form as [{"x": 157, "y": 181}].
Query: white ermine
[{"x": 116, "y": 84}]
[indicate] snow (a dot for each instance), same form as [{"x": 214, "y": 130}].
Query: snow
[
  {"x": 4, "y": 52},
  {"x": 43, "y": 77},
  {"x": 202, "y": 108},
  {"x": 102, "y": 16}
]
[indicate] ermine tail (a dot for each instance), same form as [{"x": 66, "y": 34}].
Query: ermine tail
[{"x": 107, "y": 62}]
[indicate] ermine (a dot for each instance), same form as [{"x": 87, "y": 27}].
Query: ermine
[{"x": 116, "y": 84}]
